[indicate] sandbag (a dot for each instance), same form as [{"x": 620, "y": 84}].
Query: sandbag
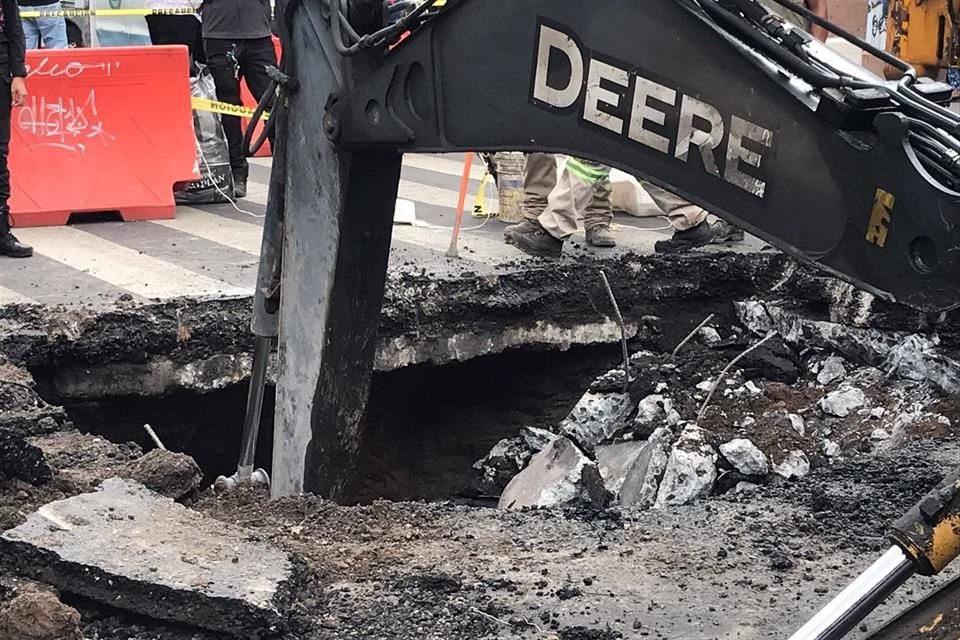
[{"x": 213, "y": 155}]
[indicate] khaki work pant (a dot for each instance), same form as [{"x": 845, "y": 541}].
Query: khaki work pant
[{"x": 585, "y": 186}]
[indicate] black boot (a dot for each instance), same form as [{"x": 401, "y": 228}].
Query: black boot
[
  {"x": 9, "y": 245},
  {"x": 538, "y": 243},
  {"x": 239, "y": 183}
]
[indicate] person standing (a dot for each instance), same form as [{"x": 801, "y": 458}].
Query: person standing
[
  {"x": 169, "y": 29},
  {"x": 237, "y": 40},
  {"x": 551, "y": 207},
  {"x": 48, "y": 31},
  {"x": 13, "y": 92}
]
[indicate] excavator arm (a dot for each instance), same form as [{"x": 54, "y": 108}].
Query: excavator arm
[{"x": 717, "y": 100}]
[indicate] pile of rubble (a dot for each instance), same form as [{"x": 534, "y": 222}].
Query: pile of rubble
[{"x": 685, "y": 426}]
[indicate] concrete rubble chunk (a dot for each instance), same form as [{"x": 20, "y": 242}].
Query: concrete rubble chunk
[
  {"x": 831, "y": 370},
  {"x": 878, "y": 435},
  {"x": 37, "y": 614},
  {"x": 615, "y": 460},
  {"x": 691, "y": 470},
  {"x": 905, "y": 355},
  {"x": 797, "y": 424},
  {"x": 125, "y": 546},
  {"x": 509, "y": 456},
  {"x": 597, "y": 417},
  {"x": 169, "y": 473},
  {"x": 19, "y": 458},
  {"x": 559, "y": 475},
  {"x": 709, "y": 336},
  {"x": 795, "y": 465},
  {"x": 842, "y": 402},
  {"x": 653, "y": 409},
  {"x": 830, "y": 448},
  {"x": 505, "y": 460},
  {"x": 745, "y": 457},
  {"x": 643, "y": 478}
]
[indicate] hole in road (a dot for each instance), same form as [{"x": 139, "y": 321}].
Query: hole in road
[{"x": 425, "y": 426}]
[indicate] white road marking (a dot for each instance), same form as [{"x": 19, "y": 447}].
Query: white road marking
[
  {"x": 243, "y": 236},
  {"x": 122, "y": 267},
  {"x": 451, "y": 164},
  {"x": 9, "y": 296}
]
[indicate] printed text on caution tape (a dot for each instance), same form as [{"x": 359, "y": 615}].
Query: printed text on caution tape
[
  {"x": 225, "y": 108},
  {"x": 81, "y": 13}
]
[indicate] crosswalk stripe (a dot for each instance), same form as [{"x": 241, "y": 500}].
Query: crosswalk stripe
[
  {"x": 431, "y": 195},
  {"x": 122, "y": 267},
  {"x": 9, "y": 296},
  {"x": 242, "y": 236},
  {"x": 452, "y": 165},
  {"x": 487, "y": 250}
]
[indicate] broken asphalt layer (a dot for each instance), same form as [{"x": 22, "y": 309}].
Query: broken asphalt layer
[
  {"x": 202, "y": 345},
  {"x": 130, "y": 548}
]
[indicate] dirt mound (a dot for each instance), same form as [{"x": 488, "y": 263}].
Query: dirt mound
[
  {"x": 170, "y": 474},
  {"x": 38, "y": 614}
]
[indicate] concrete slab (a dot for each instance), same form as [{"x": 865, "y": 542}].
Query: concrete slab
[{"x": 130, "y": 548}]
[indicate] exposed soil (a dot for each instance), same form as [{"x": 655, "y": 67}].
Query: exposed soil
[{"x": 741, "y": 565}]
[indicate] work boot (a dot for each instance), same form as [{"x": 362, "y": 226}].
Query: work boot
[
  {"x": 526, "y": 226},
  {"x": 600, "y": 237},
  {"x": 725, "y": 232},
  {"x": 239, "y": 184},
  {"x": 701, "y": 235},
  {"x": 538, "y": 243},
  {"x": 9, "y": 245}
]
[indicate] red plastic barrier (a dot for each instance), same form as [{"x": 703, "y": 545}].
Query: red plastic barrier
[
  {"x": 102, "y": 130},
  {"x": 247, "y": 99}
]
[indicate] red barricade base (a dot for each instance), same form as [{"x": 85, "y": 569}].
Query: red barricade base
[{"x": 106, "y": 129}]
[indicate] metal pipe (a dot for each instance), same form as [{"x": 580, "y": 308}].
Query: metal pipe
[
  {"x": 862, "y": 596},
  {"x": 251, "y": 419}
]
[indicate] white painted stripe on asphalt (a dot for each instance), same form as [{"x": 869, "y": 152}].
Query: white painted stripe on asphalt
[
  {"x": 452, "y": 165},
  {"x": 122, "y": 267},
  {"x": 243, "y": 236},
  {"x": 9, "y": 296},
  {"x": 475, "y": 248},
  {"x": 434, "y": 195}
]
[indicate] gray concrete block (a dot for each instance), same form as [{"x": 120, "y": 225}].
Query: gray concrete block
[{"x": 127, "y": 547}]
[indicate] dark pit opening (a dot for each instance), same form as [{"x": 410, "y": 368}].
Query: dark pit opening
[{"x": 425, "y": 426}]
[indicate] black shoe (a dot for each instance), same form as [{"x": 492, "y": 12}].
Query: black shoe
[
  {"x": 526, "y": 226},
  {"x": 538, "y": 243},
  {"x": 600, "y": 237},
  {"x": 701, "y": 235},
  {"x": 725, "y": 232},
  {"x": 10, "y": 246},
  {"x": 239, "y": 186}
]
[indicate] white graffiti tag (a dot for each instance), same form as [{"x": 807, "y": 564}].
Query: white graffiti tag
[
  {"x": 72, "y": 69},
  {"x": 65, "y": 123}
]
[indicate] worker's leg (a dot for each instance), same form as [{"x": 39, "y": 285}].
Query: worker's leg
[
  {"x": 690, "y": 224},
  {"x": 598, "y": 214},
  {"x": 31, "y": 33},
  {"x": 254, "y": 58},
  {"x": 222, "y": 62},
  {"x": 539, "y": 179},
  {"x": 53, "y": 29},
  {"x": 572, "y": 195},
  {"x": 558, "y": 221},
  {"x": 9, "y": 245}
]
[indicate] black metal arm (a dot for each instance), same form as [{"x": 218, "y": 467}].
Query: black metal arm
[{"x": 836, "y": 168}]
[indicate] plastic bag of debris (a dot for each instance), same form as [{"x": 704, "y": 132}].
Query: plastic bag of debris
[{"x": 213, "y": 156}]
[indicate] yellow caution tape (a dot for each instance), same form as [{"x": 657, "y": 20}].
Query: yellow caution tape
[
  {"x": 82, "y": 13},
  {"x": 225, "y": 108}
]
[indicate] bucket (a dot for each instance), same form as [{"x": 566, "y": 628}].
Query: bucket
[{"x": 510, "y": 170}]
